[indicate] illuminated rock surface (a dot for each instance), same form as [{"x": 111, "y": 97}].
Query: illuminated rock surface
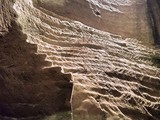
[{"x": 79, "y": 60}]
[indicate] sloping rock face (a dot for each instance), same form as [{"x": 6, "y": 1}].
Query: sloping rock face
[
  {"x": 128, "y": 18},
  {"x": 83, "y": 41},
  {"x": 29, "y": 88},
  {"x": 6, "y": 13},
  {"x": 154, "y": 8}
]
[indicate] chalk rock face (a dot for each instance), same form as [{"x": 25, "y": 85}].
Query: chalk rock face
[{"x": 79, "y": 60}]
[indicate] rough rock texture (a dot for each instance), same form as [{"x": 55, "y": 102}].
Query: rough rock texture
[
  {"x": 7, "y": 14},
  {"x": 28, "y": 91},
  {"x": 114, "y": 77},
  {"x": 128, "y": 18},
  {"x": 154, "y": 8}
]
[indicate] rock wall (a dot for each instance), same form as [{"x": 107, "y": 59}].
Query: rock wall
[
  {"x": 127, "y": 18},
  {"x": 29, "y": 88},
  {"x": 154, "y": 8},
  {"x": 55, "y": 42},
  {"x": 6, "y": 13}
]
